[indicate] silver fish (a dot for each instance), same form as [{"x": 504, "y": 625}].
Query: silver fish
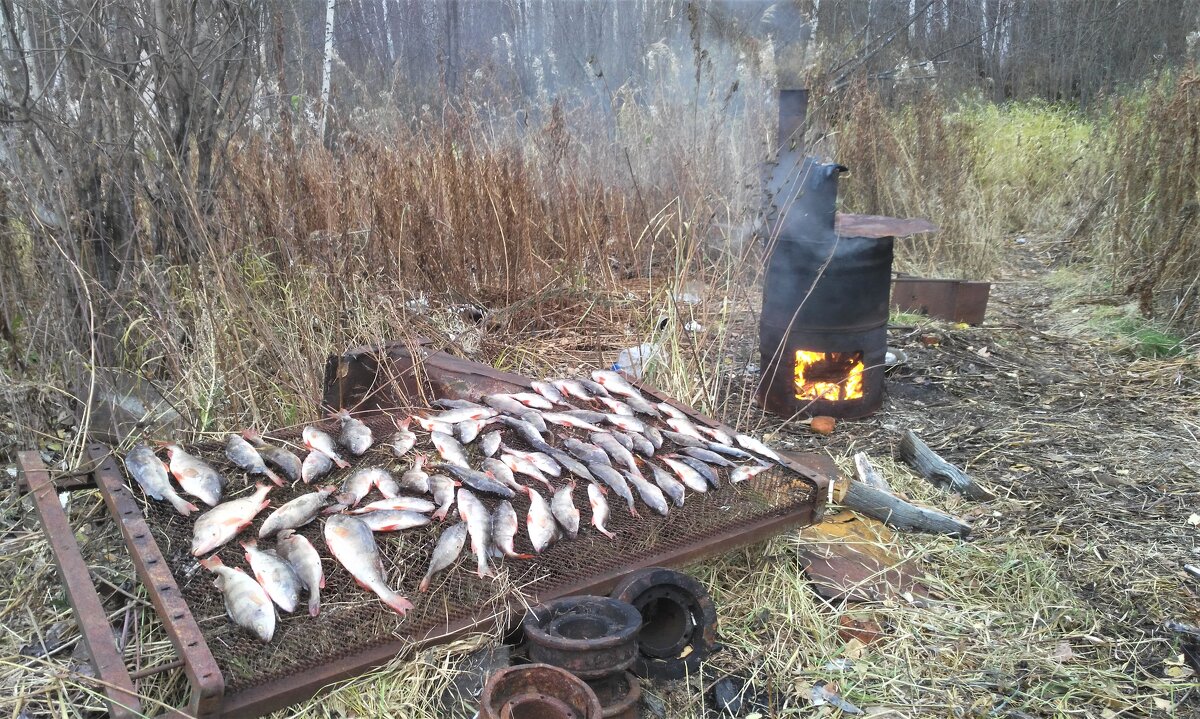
[
  {"x": 542, "y": 461},
  {"x": 614, "y": 382},
  {"x": 195, "y": 476},
  {"x": 641, "y": 445},
  {"x": 415, "y": 478},
  {"x": 360, "y": 482},
  {"x": 623, "y": 439},
  {"x": 741, "y": 474},
  {"x": 296, "y": 513},
  {"x": 539, "y": 522},
  {"x": 433, "y": 425},
  {"x": 548, "y": 391},
  {"x": 223, "y": 522},
  {"x": 504, "y": 530},
  {"x": 449, "y": 546},
  {"x": 303, "y": 557},
  {"x": 671, "y": 410},
  {"x": 246, "y": 602},
  {"x": 454, "y": 416},
  {"x": 587, "y": 415},
  {"x": 403, "y": 440},
  {"x": 569, "y": 463},
  {"x": 670, "y": 486},
  {"x": 571, "y": 388},
  {"x": 685, "y": 427},
  {"x": 683, "y": 439},
  {"x": 479, "y": 526},
  {"x": 616, "y": 482},
  {"x": 282, "y": 459},
  {"x": 706, "y": 455},
  {"x": 151, "y": 473},
  {"x": 395, "y": 520},
  {"x": 589, "y": 453},
  {"x": 718, "y": 435},
  {"x": 387, "y": 484},
  {"x": 520, "y": 465},
  {"x": 641, "y": 404},
  {"x": 443, "y": 494},
  {"x": 629, "y": 424},
  {"x": 599, "y": 510},
  {"x": 729, "y": 451},
  {"x": 562, "y": 505},
  {"x": 620, "y": 455},
  {"x": 467, "y": 431},
  {"x": 274, "y": 574},
  {"x": 690, "y": 477},
  {"x": 595, "y": 388},
  {"x": 320, "y": 441},
  {"x": 616, "y": 406},
  {"x": 355, "y": 436},
  {"x": 490, "y": 443},
  {"x": 709, "y": 474},
  {"x": 315, "y": 466},
  {"x": 650, "y": 494},
  {"x": 455, "y": 404},
  {"x": 528, "y": 432},
  {"x": 757, "y": 447},
  {"x": 450, "y": 449},
  {"x": 351, "y": 542},
  {"x": 532, "y": 399},
  {"x": 654, "y": 436},
  {"x": 501, "y": 473},
  {"x": 408, "y": 504},
  {"x": 534, "y": 418},
  {"x": 478, "y": 480},
  {"x": 243, "y": 454},
  {"x": 505, "y": 404}
]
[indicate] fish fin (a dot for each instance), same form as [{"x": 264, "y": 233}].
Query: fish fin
[
  {"x": 522, "y": 556},
  {"x": 424, "y": 586},
  {"x": 440, "y": 515},
  {"x": 212, "y": 562},
  {"x": 274, "y": 478},
  {"x": 314, "y": 605},
  {"x": 633, "y": 511},
  {"x": 607, "y": 533},
  {"x": 322, "y": 585},
  {"x": 398, "y": 603}
]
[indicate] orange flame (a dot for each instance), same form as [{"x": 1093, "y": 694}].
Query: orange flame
[{"x": 829, "y": 376}]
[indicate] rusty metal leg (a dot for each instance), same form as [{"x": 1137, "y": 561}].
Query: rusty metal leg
[
  {"x": 208, "y": 685},
  {"x": 81, "y": 591}
]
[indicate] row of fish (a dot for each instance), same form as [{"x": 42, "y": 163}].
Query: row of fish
[{"x": 616, "y": 456}]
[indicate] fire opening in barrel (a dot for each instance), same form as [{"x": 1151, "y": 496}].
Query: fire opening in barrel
[{"x": 831, "y": 376}]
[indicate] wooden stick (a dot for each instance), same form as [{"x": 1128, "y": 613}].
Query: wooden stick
[
  {"x": 869, "y": 475},
  {"x": 893, "y": 511},
  {"x": 938, "y": 471}
]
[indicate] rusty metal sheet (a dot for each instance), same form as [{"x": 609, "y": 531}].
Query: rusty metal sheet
[
  {"x": 951, "y": 300},
  {"x": 878, "y": 226},
  {"x": 847, "y": 559},
  {"x": 207, "y": 684},
  {"x": 90, "y": 616}
]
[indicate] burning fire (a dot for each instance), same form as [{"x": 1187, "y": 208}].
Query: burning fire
[{"x": 829, "y": 375}]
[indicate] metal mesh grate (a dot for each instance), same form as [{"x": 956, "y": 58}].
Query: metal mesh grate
[{"x": 352, "y": 620}]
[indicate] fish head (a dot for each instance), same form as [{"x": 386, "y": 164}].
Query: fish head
[{"x": 264, "y": 630}]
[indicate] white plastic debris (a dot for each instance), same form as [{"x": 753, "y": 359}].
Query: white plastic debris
[{"x": 694, "y": 326}]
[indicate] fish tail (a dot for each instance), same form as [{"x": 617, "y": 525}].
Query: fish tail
[
  {"x": 440, "y": 515},
  {"x": 212, "y": 562},
  {"x": 514, "y": 555},
  {"x": 424, "y": 585},
  {"x": 181, "y": 505},
  {"x": 274, "y": 477},
  {"x": 314, "y": 603},
  {"x": 633, "y": 511},
  {"x": 340, "y": 462},
  {"x": 605, "y": 532},
  {"x": 399, "y": 604}
]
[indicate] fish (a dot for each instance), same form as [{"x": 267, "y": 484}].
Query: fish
[
  {"x": 479, "y": 525},
  {"x": 505, "y": 404},
  {"x": 465, "y": 414},
  {"x": 468, "y": 430},
  {"x": 569, "y": 463},
  {"x": 670, "y": 486},
  {"x": 195, "y": 476},
  {"x": 534, "y": 418},
  {"x": 274, "y": 574},
  {"x": 707, "y": 455},
  {"x": 539, "y": 521},
  {"x": 360, "y": 482},
  {"x": 501, "y": 473},
  {"x": 282, "y": 459},
  {"x": 540, "y": 460},
  {"x": 671, "y": 410},
  {"x": 741, "y": 474},
  {"x": 616, "y": 482},
  {"x": 243, "y": 454},
  {"x": 629, "y": 424},
  {"x": 296, "y": 513},
  {"x": 718, "y": 435},
  {"x": 650, "y": 494},
  {"x": 449, "y": 448},
  {"x": 223, "y": 522},
  {"x": 571, "y": 388},
  {"x": 610, "y": 445},
  {"x": 599, "y": 510},
  {"x": 351, "y": 542},
  {"x": 683, "y": 439},
  {"x": 387, "y": 484},
  {"x": 623, "y": 439},
  {"x": 246, "y": 602},
  {"x": 442, "y": 488},
  {"x": 403, "y": 440},
  {"x": 394, "y": 520},
  {"x": 532, "y": 399},
  {"x": 654, "y": 436},
  {"x": 315, "y": 466},
  {"x": 614, "y": 382},
  {"x": 355, "y": 436},
  {"x": 729, "y": 451},
  {"x": 150, "y": 472},
  {"x": 415, "y": 478},
  {"x": 709, "y": 474},
  {"x": 616, "y": 406},
  {"x": 478, "y": 481},
  {"x": 455, "y": 404},
  {"x": 641, "y": 445},
  {"x": 690, "y": 477},
  {"x": 588, "y": 453},
  {"x": 490, "y": 443},
  {"x": 302, "y": 555},
  {"x": 391, "y": 504},
  {"x": 449, "y": 546},
  {"x": 587, "y": 415},
  {"x": 504, "y": 530},
  {"x": 528, "y": 432},
  {"x": 520, "y": 465},
  {"x": 433, "y": 425},
  {"x": 320, "y": 441},
  {"x": 562, "y": 506},
  {"x": 548, "y": 391},
  {"x": 595, "y": 388},
  {"x": 685, "y": 427},
  {"x": 757, "y": 447}
]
